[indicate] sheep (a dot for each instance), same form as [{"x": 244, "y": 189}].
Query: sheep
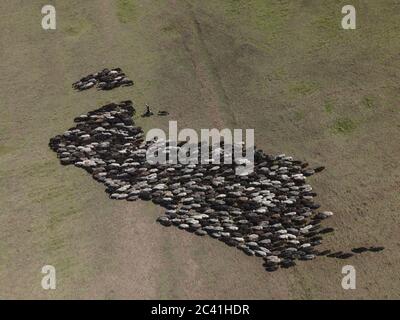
[
  {"x": 104, "y": 80},
  {"x": 268, "y": 214}
]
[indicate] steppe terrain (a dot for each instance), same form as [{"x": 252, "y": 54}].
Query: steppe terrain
[{"x": 285, "y": 68}]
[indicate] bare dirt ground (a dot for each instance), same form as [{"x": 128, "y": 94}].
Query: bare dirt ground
[{"x": 285, "y": 68}]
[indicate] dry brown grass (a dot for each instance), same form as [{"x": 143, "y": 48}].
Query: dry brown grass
[{"x": 271, "y": 66}]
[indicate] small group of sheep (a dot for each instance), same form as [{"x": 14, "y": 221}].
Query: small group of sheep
[{"x": 103, "y": 80}]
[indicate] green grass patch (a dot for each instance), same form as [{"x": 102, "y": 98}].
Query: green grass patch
[
  {"x": 126, "y": 10},
  {"x": 55, "y": 244},
  {"x": 344, "y": 126},
  {"x": 303, "y": 88},
  {"x": 4, "y": 150},
  {"x": 236, "y": 7},
  {"x": 269, "y": 17},
  {"x": 65, "y": 264},
  {"x": 299, "y": 115},
  {"x": 170, "y": 28},
  {"x": 328, "y": 107},
  {"x": 368, "y": 102},
  {"x": 279, "y": 73},
  {"x": 40, "y": 168},
  {"x": 59, "y": 215},
  {"x": 328, "y": 24},
  {"x": 76, "y": 28}
]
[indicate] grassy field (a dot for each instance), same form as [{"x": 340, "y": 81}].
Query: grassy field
[{"x": 285, "y": 68}]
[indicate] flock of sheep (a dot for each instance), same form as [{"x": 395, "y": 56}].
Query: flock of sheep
[
  {"x": 104, "y": 80},
  {"x": 269, "y": 213}
]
